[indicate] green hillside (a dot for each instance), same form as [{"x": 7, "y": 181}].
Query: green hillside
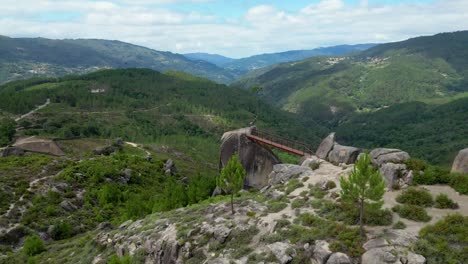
[
  {"x": 325, "y": 88},
  {"x": 22, "y": 58},
  {"x": 432, "y": 132}
]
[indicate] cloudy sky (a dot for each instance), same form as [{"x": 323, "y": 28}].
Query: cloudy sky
[{"x": 234, "y": 28}]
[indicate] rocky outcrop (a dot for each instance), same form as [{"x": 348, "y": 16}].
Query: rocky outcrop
[
  {"x": 326, "y": 146},
  {"x": 391, "y": 164},
  {"x": 460, "y": 164},
  {"x": 257, "y": 160},
  {"x": 335, "y": 153},
  {"x": 343, "y": 154},
  {"x": 38, "y": 145},
  {"x": 339, "y": 258},
  {"x": 321, "y": 251},
  {"x": 280, "y": 250},
  {"x": 170, "y": 168}
]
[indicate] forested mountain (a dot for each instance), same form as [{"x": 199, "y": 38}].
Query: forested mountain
[
  {"x": 421, "y": 69},
  {"x": 245, "y": 65},
  {"x": 22, "y": 58},
  {"x": 216, "y": 59}
]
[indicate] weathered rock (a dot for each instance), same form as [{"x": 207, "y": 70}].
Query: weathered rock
[
  {"x": 392, "y": 172},
  {"x": 322, "y": 251},
  {"x": 380, "y": 156},
  {"x": 12, "y": 151},
  {"x": 381, "y": 255},
  {"x": 339, "y": 258},
  {"x": 217, "y": 191},
  {"x": 413, "y": 258},
  {"x": 375, "y": 243},
  {"x": 279, "y": 249},
  {"x": 326, "y": 146},
  {"x": 400, "y": 238},
  {"x": 106, "y": 151},
  {"x": 38, "y": 145},
  {"x": 170, "y": 168},
  {"x": 257, "y": 160},
  {"x": 68, "y": 206},
  {"x": 343, "y": 154},
  {"x": 460, "y": 164},
  {"x": 283, "y": 172}
]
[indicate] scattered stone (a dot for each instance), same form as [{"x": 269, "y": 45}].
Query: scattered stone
[
  {"x": 339, "y": 258},
  {"x": 170, "y": 168},
  {"x": 322, "y": 251},
  {"x": 460, "y": 164},
  {"x": 326, "y": 146},
  {"x": 279, "y": 249},
  {"x": 343, "y": 154}
]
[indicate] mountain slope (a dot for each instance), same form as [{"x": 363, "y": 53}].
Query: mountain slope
[
  {"x": 245, "y": 65},
  {"x": 216, "y": 59},
  {"x": 427, "y": 68},
  {"x": 30, "y": 57}
]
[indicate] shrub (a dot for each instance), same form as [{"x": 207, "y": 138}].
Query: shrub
[
  {"x": 33, "y": 245},
  {"x": 415, "y": 196},
  {"x": 399, "y": 225},
  {"x": 412, "y": 212},
  {"x": 330, "y": 185},
  {"x": 432, "y": 175},
  {"x": 314, "y": 165},
  {"x": 459, "y": 182},
  {"x": 317, "y": 192},
  {"x": 298, "y": 203},
  {"x": 442, "y": 201},
  {"x": 61, "y": 230},
  {"x": 274, "y": 207},
  {"x": 293, "y": 185},
  {"x": 445, "y": 241},
  {"x": 416, "y": 165}
]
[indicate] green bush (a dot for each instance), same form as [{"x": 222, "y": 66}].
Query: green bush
[
  {"x": 33, "y": 245},
  {"x": 274, "y": 207},
  {"x": 415, "y": 196},
  {"x": 293, "y": 185},
  {"x": 298, "y": 203},
  {"x": 61, "y": 230},
  {"x": 399, "y": 225},
  {"x": 412, "y": 212},
  {"x": 459, "y": 182},
  {"x": 416, "y": 165},
  {"x": 442, "y": 201},
  {"x": 432, "y": 175},
  {"x": 445, "y": 241}
]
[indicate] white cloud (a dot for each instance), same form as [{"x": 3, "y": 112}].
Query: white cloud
[{"x": 262, "y": 28}]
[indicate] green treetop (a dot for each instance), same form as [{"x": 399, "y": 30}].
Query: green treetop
[{"x": 231, "y": 179}]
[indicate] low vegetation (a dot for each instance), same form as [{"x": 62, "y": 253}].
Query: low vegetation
[
  {"x": 442, "y": 201},
  {"x": 414, "y": 196},
  {"x": 412, "y": 212},
  {"x": 445, "y": 241}
]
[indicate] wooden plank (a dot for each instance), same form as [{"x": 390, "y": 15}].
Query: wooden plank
[{"x": 276, "y": 145}]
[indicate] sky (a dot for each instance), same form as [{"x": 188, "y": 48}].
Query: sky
[{"x": 233, "y": 28}]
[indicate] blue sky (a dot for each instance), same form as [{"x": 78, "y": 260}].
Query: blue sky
[{"x": 234, "y": 28}]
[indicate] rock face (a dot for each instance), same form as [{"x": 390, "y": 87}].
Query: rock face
[
  {"x": 343, "y": 154},
  {"x": 257, "y": 161},
  {"x": 391, "y": 164},
  {"x": 170, "y": 168},
  {"x": 339, "y": 258},
  {"x": 460, "y": 164},
  {"x": 322, "y": 251},
  {"x": 279, "y": 249},
  {"x": 326, "y": 146}
]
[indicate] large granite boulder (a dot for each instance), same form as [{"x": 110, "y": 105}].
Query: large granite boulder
[
  {"x": 343, "y": 154},
  {"x": 460, "y": 164},
  {"x": 326, "y": 146},
  {"x": 39, "y": 145},
  {"x": 392, "y": 173},
  {"x": 339, "y": 258},
  {"x": 380, "y": 156},
  {"x": 321, "y": 251},
  {"x": 257, "y": 160}
]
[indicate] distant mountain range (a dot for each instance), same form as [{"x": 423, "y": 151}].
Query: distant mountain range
[
  {"x": 429, "y": 69},
  {"x": 22, "y": 58},
  {"x": 244, "y": 65}
]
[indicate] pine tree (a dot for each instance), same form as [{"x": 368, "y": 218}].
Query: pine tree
[
  {"x": 365, "y": 184},
  {"x": 231, "y": 179}
]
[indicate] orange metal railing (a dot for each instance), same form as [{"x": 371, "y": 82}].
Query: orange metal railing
[{"x": 291, "y": 146}]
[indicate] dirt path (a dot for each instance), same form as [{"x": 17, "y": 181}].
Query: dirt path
[
  {"x": 138, "y": 146},
  {"x": 34, "y": 110}
]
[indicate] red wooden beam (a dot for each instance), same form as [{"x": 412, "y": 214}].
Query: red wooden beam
[{"x": 276, "y": 145}]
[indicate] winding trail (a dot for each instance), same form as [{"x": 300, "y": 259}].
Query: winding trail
[
  {"x": 34, "y": 110},
  {"x": 138, "y": 146}
]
